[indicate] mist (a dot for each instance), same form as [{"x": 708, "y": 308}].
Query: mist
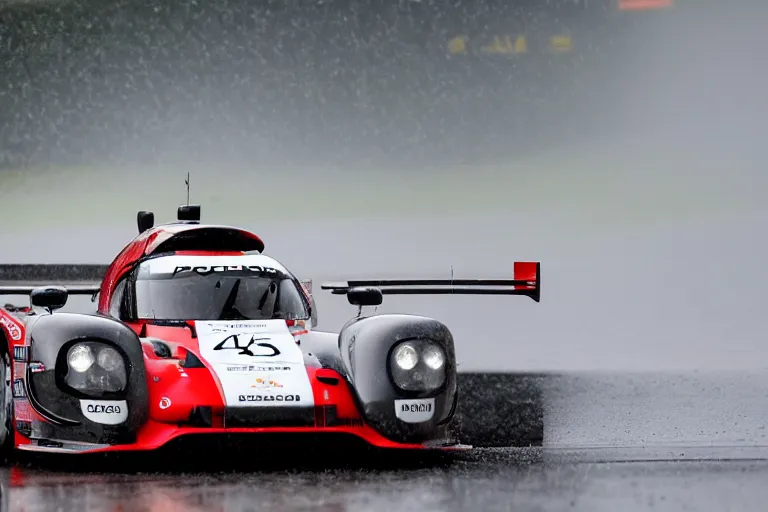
[{"x": 351, "y": 138}]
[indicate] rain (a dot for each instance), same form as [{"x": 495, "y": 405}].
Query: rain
[{"x": 619, "y": 142}]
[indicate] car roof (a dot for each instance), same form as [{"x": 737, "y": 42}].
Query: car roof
[
  {"x": 175, "y": 237},
  {"x": 173, "y": 263}
]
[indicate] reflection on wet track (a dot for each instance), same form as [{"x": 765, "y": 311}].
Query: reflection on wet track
[
  {"x": 610, "y": 443},
  {"x": 491, "y": 479}
]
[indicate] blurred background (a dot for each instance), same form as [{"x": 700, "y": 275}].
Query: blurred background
[{"x": 620, "y": 142}]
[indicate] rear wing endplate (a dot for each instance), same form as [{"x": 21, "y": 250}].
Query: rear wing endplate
[
  {"x": 21, "y": 279},
  {"x": 526, "y": 282}
]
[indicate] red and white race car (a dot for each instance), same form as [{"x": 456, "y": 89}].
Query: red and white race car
[{"x": 198, "y": 332}]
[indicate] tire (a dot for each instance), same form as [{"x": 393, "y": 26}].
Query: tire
[{"x": 6, "y": 404}]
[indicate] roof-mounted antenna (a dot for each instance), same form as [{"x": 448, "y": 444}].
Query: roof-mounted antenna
[
  {"x": 186, "y": 182},
  {"x": 189, "y": 213}
]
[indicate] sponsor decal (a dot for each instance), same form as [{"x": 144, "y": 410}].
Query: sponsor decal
[
  {"x": 267, "y": 384},
  {"x": 206, "y": 270},
  {"x": 254, "y": 368},
  {"x": 22, "y": 410},
  {"x": 416, "y": 408},
  {"x": 105, "y": 409},
  {"x": 241, "y": 351},
  {"x": 415, "y": 411},
  {"x": 24, "y": 427},
  {"x": 233, "y": 342},
  {"x": 269, "y": 398},
  {"x": 238, "y": 326},
  {"x": 36, "y": 367},
  {"x": 21, "y": 353},
  {"x": 13, "y": 328},
  {"x": 18, "y": 389},
  {"x": 106, "y": 412},
  {"x": 165, "y": 403}
]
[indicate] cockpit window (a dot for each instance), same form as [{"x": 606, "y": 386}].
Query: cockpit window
[{"x": 218, "y": 292}]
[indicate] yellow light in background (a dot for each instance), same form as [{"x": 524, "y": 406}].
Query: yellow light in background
[
  {"x": 560, "y": 44},
  {"x": 505, "y": 46},
  {"x": 521, "y": 45},
  {"x": 500, "y": 46},
  {"x": 458, "y": 45}
]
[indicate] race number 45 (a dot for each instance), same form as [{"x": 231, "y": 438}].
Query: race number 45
[{"x": 255, "y": 347}]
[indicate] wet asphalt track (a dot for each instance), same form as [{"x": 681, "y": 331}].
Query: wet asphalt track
[
  {"x": 611, "y": 442},
  {"x": 509, "y": 479}
]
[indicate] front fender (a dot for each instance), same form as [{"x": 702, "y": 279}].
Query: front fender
[
  {"x": 65, "y": 411},
  {"x": 365, "y": 346}
]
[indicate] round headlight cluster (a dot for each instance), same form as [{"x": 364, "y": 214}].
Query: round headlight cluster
[
  {"x": 109, "y": 359},
  {"x": 418, "y": 365},
  {"x": 95, "y": 368},
  {"x": 80, "y": 358},
  {"x": 434, "y": 357},
  {"x": 406, "y": 357}
]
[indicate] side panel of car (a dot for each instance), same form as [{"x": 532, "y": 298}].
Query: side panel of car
[
  {"x": 18, "y": 413},
  {"x": 322, "y": 349},
  {"x": 366, "y": 346},
  {"x": 83, "y": 414},
  {"x": 183, "y": 395}
]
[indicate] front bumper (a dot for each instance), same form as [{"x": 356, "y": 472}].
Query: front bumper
[{"x": 155, "y": 435}]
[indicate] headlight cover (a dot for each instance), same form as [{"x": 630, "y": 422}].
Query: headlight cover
[
  {"x": 418, "y": 365},
  {"x": 80, "y": 358},
  {"x": 95, "y": 368},
  {"x": 406, "y": 357},
  {"x": 434, "y": 357}
]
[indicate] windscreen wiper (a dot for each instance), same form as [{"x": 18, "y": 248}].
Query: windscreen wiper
[{"x": 229, "y": 304}]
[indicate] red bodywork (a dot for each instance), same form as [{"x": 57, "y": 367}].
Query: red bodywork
[{"x": 173, "y": 390}]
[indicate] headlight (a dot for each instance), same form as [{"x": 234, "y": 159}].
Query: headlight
[
  {"x": 80, "y": 358},
  {"x": 110, "y": 359},
  {"x": 95, "y": 368},
  {"x": 418, "y": 365},
  {"x": 406, "y": 357},
  {"x": 433, "y": 357}
]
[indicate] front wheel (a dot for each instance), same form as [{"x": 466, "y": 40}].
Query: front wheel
[{"x": 6, "y": 407}]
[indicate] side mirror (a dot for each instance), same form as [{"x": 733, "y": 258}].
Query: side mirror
[
  {"x": 145, "y": 220},
  {"x": 307, "y": 284},
  {"x": 365, "y": 296},
  {"x": 49, "y": 297}
]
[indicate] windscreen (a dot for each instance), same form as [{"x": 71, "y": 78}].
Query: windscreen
[{"x": 219, "y": 292}]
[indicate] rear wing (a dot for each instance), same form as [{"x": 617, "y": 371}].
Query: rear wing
[
  {"x": 21, "y": 279},
  {"x": 526, "y": 282}
]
